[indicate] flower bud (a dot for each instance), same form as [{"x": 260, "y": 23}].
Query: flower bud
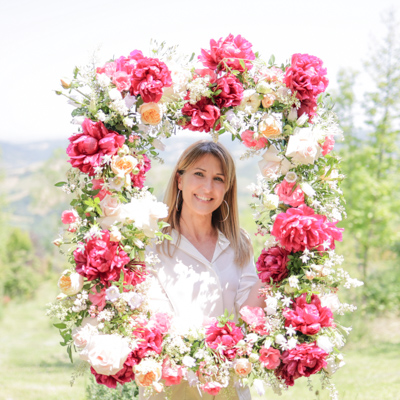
[
  {"x": 263, "y": 87},
  {"x": 65, "y": 83}
]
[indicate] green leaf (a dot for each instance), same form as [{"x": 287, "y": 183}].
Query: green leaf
[
  {"x": 242, "y": 64},
  {"x": 59, "y": 184},
  {"x": 271, "y": 60},
  {"x": 60, "y": 326},
  {"x": 69, "y": 351}
]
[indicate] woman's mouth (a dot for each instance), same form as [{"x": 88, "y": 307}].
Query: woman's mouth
[{"x": 202, "y": 198}]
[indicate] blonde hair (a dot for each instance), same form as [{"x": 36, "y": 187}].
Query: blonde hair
[{"x": 228, "y": 226}]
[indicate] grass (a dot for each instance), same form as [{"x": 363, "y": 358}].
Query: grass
[{"x": 33, "y": 366}]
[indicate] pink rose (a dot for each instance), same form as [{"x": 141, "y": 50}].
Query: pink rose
[
  {"x": 249, "y": 140},
  {"x": 149, "y": 340},
  {"x": 69, "y": 216},
  {"x": 101, "y": 259},
  {"x": 288, "y": 194},
  {"x": 172, "y": 376},
  {"x": 162, "y": 322},
  {"x": 227, "y": 53},
  {"x": 272, "y": 74},
  {"x": 304, "y": 360},
  {"x": 144, "y": 165},
  {"x": 149, "y": 78},
  {"x": 328, "y": 145},
  {"x": 300, "y": 228},
  {"x": 270, "y": 358},
  {"x": 109, "y": 69},
  {"x": 121, "y": 80},
  {"x": 87, "y": 149},
  {"x": 255, "y": 318},
  {"x": 98, "y": 299},
  {"x": 307, "y": 77},
  {"x": 203, "y": 115},
  {"x": 308, "y": 318},
  {"x": 271, "y": 264},
  {"x": 225, "y": 336},
  {"x": 212, "y": 388},
  {"x": 231, "y": 93}
]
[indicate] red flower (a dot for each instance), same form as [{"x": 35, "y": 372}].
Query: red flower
[
  {"x": 149, "y": 340},
  {"x": 289, "y": 196},
  {"x": 272, "y": 264},
  {"x": 87, "y": 149},
  {"x": 149, "y": 78},
  {"x": 224, "y": 338},
  {"x": 230, "y": 50},
  {"x": 125, "y": 375},
  {"x": 304, "y": 360},
  {"x": 307, "y": 77},
  {"x": 270, "y": 358},
  {"x": 300, "y": 228},
  {"x": 101, "y": 259},
  {"x": 143, "y": 166},
  {"x": 203, "y": 115},
  {"x": 231, "y": 91},
  {"x": 308, "y": 318}
]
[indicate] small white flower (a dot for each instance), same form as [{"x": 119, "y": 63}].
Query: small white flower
[
  {"x": 129, "y": 101},
  {"x": 294, "y": 282},
  {"x": 112, "y": 294},
  {"x": 135, "y": 300},
  {"x": 103, "y": 80},
  {"x": 128, "y": 122},
  {"x": 106, "y": 159},
  {"x": 189, "y": 362},
  {"x": 280, "y": 339},
  {"x": 286, "y": 301},
  {"x": 268, "y": 343},
  {"x": 272, "y": 304},
  {"x": 251, "y": 338},
  {"x": 101, "y": 116},
  {"x": 290, "y": 330},
  {"x": 304, "y": 258},
  {"x": 292, "y": 342},
  {"x": 291, "y": 177}
]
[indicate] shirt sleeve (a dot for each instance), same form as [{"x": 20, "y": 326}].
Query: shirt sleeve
[{"x": 247, "y": 280}]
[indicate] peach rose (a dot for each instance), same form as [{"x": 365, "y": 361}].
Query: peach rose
[
  {"x": 122, "y": 166},
  {"x": 147, "y": 373},
  {"x": 269, "y": 127},
  {"x": 268, "y": 100},
  {"x": 70, "y": 283},
  {"x": 151, "y": 113},
  {"x": 242, "y": 366}
]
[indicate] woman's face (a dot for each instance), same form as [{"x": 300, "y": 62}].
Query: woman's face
[{"x": 203, "y": 185}]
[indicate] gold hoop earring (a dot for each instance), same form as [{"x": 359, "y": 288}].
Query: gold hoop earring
[
  {"x": 227, "y": 215},
  {"x": 177, "y": 200}
]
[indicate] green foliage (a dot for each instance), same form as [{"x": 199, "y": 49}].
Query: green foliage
[{"x": 129, "y": 391}]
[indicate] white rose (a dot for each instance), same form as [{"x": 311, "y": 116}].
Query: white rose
[
  {"x": 70, "y": 283},
  {"x": 110, "y": 206},
  {"x": 189, "y": 361},
  {"x": 82, "y": 334},
  {"x": 331, "y": 301},
  {"x": 271, "y": 201},
  {"x": 325, "y": 344},
  {"x": 303, "y": 148},
  {"x": 251, "y": 338},
  {"x": 106, "y": 353},
  {"x": 251, "y": 101}
]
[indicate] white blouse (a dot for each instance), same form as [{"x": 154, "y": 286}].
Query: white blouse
[{"x": 194, "y": 289}]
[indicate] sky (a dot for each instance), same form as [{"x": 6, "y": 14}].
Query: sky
[{"x": 41, "y": 41}]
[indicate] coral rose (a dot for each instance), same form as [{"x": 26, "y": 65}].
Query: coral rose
[
  {"x": 87, "y": 149},
  {"x": 172, "y": 375},
  {"x": 249, "y": 140},
  {"x": 150, "y": 113},
  {"x": 227, "y": 336},
  {"x": 212, "y": 388},
  {"x": 270, "y": 358},
  {"x": 149, "y": 78},
  {"x": 269, "y": 127},
  {"x": 304, "y": 360},
  {"x": 203, "y": 115},
  {"x": 271, "y": 264},
  {"x": 147, "y": 373},
  {"x": 288, "y": 195},
  {"x": 122, "y": 166},
  {"x": 308, "y": 318},
  {"x": 268, "y": 100},
  {"x": 101, "y": 259},
  {"x": 300, "y": 228},
  {"x": 242, "y": 366},
  {"x": 70, "y": 283},
  {"x": 227, "y": 53},
  {"x": 231, "y": 93}
]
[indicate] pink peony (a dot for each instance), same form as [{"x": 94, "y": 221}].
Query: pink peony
[
  {"x": 121, "y": 80},
  {"x": 143, "y": 166},
  {"x": 101, "y": 259},
  {"x": 255, "y": 318},
  {"x": 271, "y": 264},
  {"x": 69, "y": 216},
  {"x": 308, "y": 318},
  {"x": 172, "y": 375},
  {"x": 87, "y": 149},
  {"x": 231, "y": 93},
  {"x": 149, "y": 78},
  {"x": 304, "y": 360},
  {"x": 249, "y": 140},
  {"x": 123, "y": 376},
  {"x": 212, "y": 388},
  {"x": 98, "y": 299},
  {"x": 288, "y": 194},
  {"x": 230, "y": 51},
  {"x": 149, "y": 340},
  {"x": 307, "y": 77},
  {"x": 270, "y": 358},
  {"x": 203, "y": 115},
  {"x": 227, "y": 336},
  {"x": 328, "y": 145},
  {"x": 300, "y": 228}
]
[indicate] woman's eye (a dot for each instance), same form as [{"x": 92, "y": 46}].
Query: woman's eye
[
  {"x": 198, "y": 173},
  {"x": 219, "y": 179}
]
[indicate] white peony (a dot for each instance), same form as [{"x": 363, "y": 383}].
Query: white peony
[
  {"x": 303, "y": 147},
  {"x": 106, "y": 353}
]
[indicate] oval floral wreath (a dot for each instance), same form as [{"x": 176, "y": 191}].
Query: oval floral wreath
[{"x": 123, "y": 109}]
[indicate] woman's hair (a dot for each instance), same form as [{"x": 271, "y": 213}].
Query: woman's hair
[{"x": 228, "y": 226}]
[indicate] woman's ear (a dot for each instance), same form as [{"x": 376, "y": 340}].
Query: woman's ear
[{"x": 179, "y": 180}]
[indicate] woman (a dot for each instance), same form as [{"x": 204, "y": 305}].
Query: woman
[{"x": 208, "y": 265}]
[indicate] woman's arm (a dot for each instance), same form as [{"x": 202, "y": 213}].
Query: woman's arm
[{"x": 254, "y": 299}]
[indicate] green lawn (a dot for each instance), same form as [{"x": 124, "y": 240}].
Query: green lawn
[{"x": 34, "y": 367}]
